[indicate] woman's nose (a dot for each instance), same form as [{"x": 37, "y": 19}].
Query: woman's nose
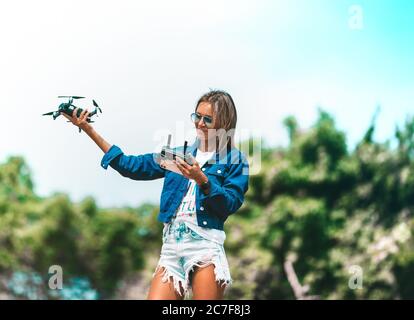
[{"x": 201, "y": 124}]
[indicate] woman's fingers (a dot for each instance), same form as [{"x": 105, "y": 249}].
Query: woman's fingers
[
  {"x": 78, "y": 121},
  {"x": 192, "y": 171},
  {"x": 85, "y": 116},
  {"x": 179, "y": 168},
  {"x": 80, "y": 118},
  {"x": 82, "y": 115},
  {"x": 195, "y": 163},
  {"x": 184, "y": 164},
  {"x": 182, "y": 169}
]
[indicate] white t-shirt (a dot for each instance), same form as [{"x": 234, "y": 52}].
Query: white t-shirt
[{"x": 187, "y": 210}]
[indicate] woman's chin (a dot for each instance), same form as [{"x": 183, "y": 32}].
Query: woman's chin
[{"x": 202, "y": 135}]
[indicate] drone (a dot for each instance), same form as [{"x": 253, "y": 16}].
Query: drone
[{"x": 68, "y": 108}]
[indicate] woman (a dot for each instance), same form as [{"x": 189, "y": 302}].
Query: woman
[{"x": 194, "y": 205}]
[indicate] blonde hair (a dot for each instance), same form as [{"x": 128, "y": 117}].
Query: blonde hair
[
  {"x": 224, "y": 110},
  {"x": 224, "y": 113}
]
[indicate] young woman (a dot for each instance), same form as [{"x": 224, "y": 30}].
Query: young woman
[{"x": 195, "y": 204}]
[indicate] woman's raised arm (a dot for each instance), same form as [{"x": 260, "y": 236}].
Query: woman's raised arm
[{"x": 141, "y": 167}]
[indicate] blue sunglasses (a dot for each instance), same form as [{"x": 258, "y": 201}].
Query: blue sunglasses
[{"x": 196, "y": 117}]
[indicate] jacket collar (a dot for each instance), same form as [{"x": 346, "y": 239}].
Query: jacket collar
[{"x": 221, "y": 156}]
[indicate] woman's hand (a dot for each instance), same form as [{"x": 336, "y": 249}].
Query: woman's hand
[
  {"x": 81, "y": 121},
  {"x": 191, "y": 172}
]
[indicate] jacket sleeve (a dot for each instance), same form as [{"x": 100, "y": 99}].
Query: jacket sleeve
[
  {"x": 141, "y": 167},
  {"x": 225, "y": 200}
]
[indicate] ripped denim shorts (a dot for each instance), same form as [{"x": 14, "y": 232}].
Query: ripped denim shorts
[{"x": 183, "y": 249}]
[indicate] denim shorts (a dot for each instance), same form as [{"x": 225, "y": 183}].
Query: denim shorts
[{"x": 183, "y": 249}]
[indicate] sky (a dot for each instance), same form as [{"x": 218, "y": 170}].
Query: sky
[{"x": 147, "y": 62}]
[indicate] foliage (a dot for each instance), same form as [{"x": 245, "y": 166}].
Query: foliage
[
  {"x": 315, "y": 203},
  {"x": 329, "y": 209},
  {"x": 101, "y": 246}
]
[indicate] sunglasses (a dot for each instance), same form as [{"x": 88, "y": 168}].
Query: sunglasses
[{"x": 196, "y": 117}]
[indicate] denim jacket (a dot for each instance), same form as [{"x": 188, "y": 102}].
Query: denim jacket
[{"x": 228, "y": 176}]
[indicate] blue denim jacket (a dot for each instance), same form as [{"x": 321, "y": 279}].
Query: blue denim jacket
[{"x": 228, "y": 176}]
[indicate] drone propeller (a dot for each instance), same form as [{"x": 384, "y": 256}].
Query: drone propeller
[
  {"x": 96, "y": 105},
  {"x": 73, "y": 97}
]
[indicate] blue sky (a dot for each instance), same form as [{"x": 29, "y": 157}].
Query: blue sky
[{"x": 146, "y": 63}]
